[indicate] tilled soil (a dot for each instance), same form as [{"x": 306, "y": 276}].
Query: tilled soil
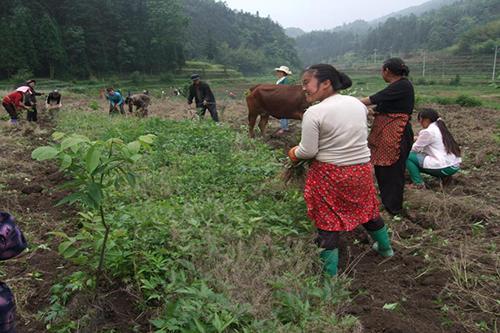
[{"x": 29, "y": 192}]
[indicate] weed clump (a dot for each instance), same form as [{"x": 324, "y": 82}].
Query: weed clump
[{"x": 468, "y": 101}]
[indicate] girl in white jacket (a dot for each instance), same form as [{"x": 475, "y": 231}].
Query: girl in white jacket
[{"x": 435, "y": 151}]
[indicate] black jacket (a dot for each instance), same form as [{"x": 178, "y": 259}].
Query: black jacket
[{"x": 205, "y": 94}]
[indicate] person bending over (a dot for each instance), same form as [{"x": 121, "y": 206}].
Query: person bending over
[{"x": 203, "y": 97}]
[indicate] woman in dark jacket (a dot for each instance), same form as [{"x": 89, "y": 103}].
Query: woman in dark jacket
[{"x": 391, "y": 136}]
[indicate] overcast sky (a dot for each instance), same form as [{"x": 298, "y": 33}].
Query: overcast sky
[{"x": 321, "y": 14}]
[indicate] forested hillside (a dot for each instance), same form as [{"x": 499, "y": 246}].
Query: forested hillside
[
  {"x": 64, "y": 38},
  {"x": 435, "y": 30},
  {"x": 242, "y": 40}
]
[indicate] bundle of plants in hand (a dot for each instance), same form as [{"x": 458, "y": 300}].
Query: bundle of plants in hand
[{"x": 295, "y": 171}]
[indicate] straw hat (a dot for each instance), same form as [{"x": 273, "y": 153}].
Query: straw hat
[{"x": 284, "y": 69}]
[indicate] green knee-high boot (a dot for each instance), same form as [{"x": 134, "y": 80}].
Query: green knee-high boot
[
  {"x": 382, "y": 242},
  {"x": 330, "y": 259}
]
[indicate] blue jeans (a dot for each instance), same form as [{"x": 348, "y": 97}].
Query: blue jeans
[{"x": 284, "y": 124}]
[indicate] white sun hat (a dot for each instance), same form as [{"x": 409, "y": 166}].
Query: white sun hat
[{"x": 284, "y": 69}]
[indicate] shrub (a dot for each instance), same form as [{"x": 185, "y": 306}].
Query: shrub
[
  {"x": 94, "y": 105},
  {"x": 22, "y": 75},
  {"x": 136, "y": 77},
  {"x": 468, "y": 101},
  {"x": 444, "y": 100},
  {"x": 423, "y": 82},
  {"x": 166, "y": 78}
]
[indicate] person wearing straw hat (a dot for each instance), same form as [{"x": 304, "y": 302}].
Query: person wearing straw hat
[{"x": 282, "y": 73}]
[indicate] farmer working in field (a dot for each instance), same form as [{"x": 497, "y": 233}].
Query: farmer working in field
[
  {"x": 282, "y": 73},
  {"x": 115, "y": 101},
  {"x": 30, "y": 99},
  {"x": 391, "y": 135},
  {"x": 141, "y": 102},
  {"x": 435, "y": 152},
  {"x": 53, "y": 102},
  {"x": 12, "y": 102},
  {"x": 203, "y": 97},
  {"x": 339, "y": 192},
  {"x": 12, "y": 243}
]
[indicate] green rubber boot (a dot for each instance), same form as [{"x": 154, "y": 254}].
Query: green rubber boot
[
  {"x": 382, "y": 242},
  {"x": 330, "y": 259}
]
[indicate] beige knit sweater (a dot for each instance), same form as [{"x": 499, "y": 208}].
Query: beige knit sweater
[{"x": 335, "y": 131}]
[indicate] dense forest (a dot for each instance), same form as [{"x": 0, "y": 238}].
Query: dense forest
[
  {"x": 469, "y": 26},
  {"x": 65, "y": 38}
]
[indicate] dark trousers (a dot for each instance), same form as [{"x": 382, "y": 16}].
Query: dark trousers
[
  {"x": 329, "y": 240},
  {"x": 114, "y": 109},
  {"x": 212, "y": 109},
  {"x": 32, "y": 114},
  {"x": 11, "y": 110},
  {"x": 391, "y": 178}
]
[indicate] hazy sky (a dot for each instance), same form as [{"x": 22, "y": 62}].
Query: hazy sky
[{"x": 321, "y": 14}]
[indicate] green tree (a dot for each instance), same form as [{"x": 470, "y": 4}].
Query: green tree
[
  {"x": 49, "y": 45},
  {"x": 75, "y": 45}
]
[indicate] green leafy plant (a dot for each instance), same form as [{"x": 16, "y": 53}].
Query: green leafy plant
[
  {"x": 94, "y": 105},
  {"x": 468, "y": 101},
  {"x": 96, "y": 167}
]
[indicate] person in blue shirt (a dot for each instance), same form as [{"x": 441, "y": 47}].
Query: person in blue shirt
[{"x": 116, "y": 101}]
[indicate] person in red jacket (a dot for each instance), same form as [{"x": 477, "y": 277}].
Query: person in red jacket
[{"x": 12, "y": 102}]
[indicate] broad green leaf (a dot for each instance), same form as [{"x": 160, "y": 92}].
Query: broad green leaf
[
  {"x": 390, "y": 306},
  {"x": 44, "y": 153},
  {"x": 59, "y": 234},
  {"x": 70, "y": 252},
  {"x": 114, "y": 141},
  {"x": 87, "y": 215},
  {"x": 67, "y": 247},
  {"x": 66, "y": 161},
  {"x": 158, "y": 323},
  {"x": 92, "y": 159},
  {"x": 199, "y": 326},
  {"x": 136, "y": 157},
  {"x": 70, "y": 199},
  {"x": 134, "y": 147},
  {"x": 131, "y": 179},
  {"x": 95, "y": 193},
  {"x": 148, "y": 138},
  {"x": 72, "y": 141},
  {"x": 58, "y": 135}
]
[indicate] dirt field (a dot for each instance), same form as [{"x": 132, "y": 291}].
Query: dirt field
[{"x": 443, "y": 278}]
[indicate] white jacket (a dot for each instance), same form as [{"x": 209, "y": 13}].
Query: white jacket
[{"x": 430, "y": 144}]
